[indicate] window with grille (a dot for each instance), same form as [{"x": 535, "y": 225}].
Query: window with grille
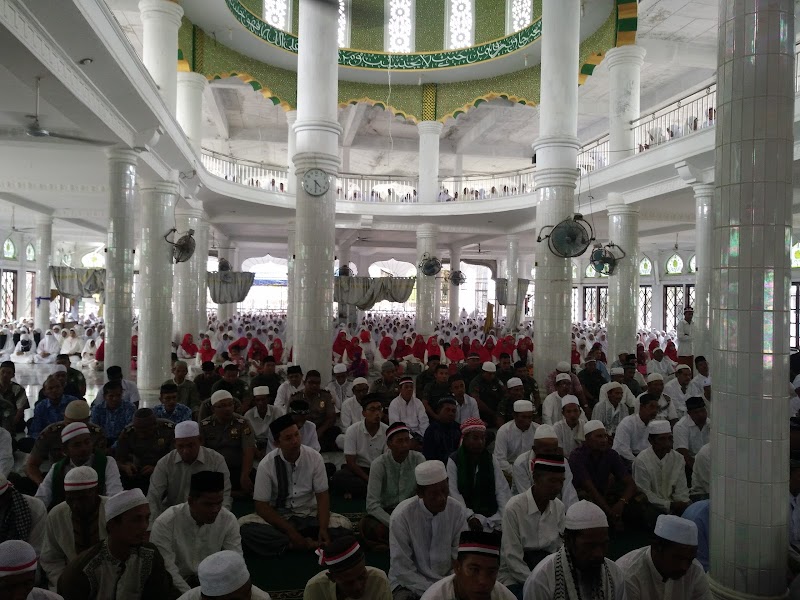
[
  {"x": 481, "y": 296},
  {"x": 595, "y": 303},
  {"x": 519, "y": 14},
  {"x": 645, "y": 306},
  {"x": 278, "y": 14},
  {"x": 460, "y": 23},
  {"x": 8, "y": 295},
  {"x": 343, "y": 32},
  {"x": 30, "y": 290},
  {"x": 399, "y": 26},
  {"x": 676, "y": 298}
]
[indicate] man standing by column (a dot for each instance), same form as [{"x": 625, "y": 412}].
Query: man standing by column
[{"x": 685, "y": 334}]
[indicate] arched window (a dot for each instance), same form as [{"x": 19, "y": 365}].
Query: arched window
[
  {"x": 796, "y": 256},
  {"x": 590, "y": 272},
  {"x": 645, "y": 267},
  {"x": 93, "y": 260},
  {"x": 693, "y": 264},
  {"x": 574, "y": 271},
  {"x": 519, "y": 14},
  {"x": 399, "y": 26},
  {"x": 343, "y": 34},
  {"x": 30, "y": 253},
  {"x": 674, "y": 265},
  {"x": 9, "y": 249},
  {"x": 278, "y": 14},
  {"x": 460, "y": 23}
]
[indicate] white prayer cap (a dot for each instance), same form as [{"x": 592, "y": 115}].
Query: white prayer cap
[
  {"x": 16, "y": 557},
  {"x": 514, "y": 382},
  {"x": 261, "y": 390},
  {"x": 220, "y": 395},
  {"x": 593, "y": 425},
  {"x": 73, "y": 430},
  {"x": 658, "y": 427},
  {"x": 676, "y": 529},
  {"x": 614, "y": 385},
  {"x": 430, "y": 472},
  {"x": 63, "y": 369},
  {"x": 360, "y": 381},
  {"x": 523, "y": 406},
  {"x": 545, "y": 432},
  {"x": 80, "y": 478},
  {"x": 563, "y": 377},
  {"x": 618, "y": 371},
  {"x": 123, "y": 502},
  {"x": 187, "y": 429},
  {"x": 339, "y": 368},
  {"x": 77, "y": 410},
  {"x": 562, "y": 366},
  {"x": 226, "y": 363},
  {"x": 681, "y": 367},
  {"x": 4, "y": 484},
  {"x": 489, "y": 367},
  {"x": 585, "y": 515},
  {"x": 569, "y": 399},
  {"x": 654, "y": 377},
  {"x": 222, "y": 573}
]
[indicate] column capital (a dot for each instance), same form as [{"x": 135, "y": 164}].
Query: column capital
[
  {"x": 123, "y": 155},
  {"x": 625, "y": 56},
  {"x": 160, "y": 187},
  {"x": 291, "y": 117},
  {"x": 430, "y": 128},
  {"x": 44, "y": 219},
  {"x": 703, "y": 189},
  {"x": 427, "y": 230},
  {"x": 161, "y": 9},
  {"x": 512, "y": 237},
  {"x": 192, "y": 213},
  {"x": 192, "y": 79},
  {"x": 622, "y": 210},
  {"x": 309, "y": 160},
  {"x": 567, "y": 177}
]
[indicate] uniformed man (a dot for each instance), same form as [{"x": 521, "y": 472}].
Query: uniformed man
[
  {"x": 230, "y": 435},
  {"x": 76, "y": 382},
  {"x": 322, "y": 410},
  {"x": 187, "y": 390},
  {"x": 488, "y": 391},
  {"x": 206, "y": 380},
  {"x": 387, "y": 385},
  {"x": 13, "y": 399},
  {"x": 427, "y": 376},
  {"x": 528, "y": 383},
  {"x": 230, "y": 383},
  {"x": 267, "y": 376},
  {"x": 141, "y": 445},
  {"x": 48, "y": 446}
]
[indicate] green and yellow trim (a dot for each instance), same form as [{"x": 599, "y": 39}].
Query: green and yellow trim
[
  {"x": 380, "y": 104},
  {"x": 486, "y": 98},
  {"x": 256, "y": 85},
  {"x": 627, "y": 24}
]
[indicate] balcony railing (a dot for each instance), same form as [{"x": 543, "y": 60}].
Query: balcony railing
[
  {"x": 679, "y": 119},
  {"x": 245, "y": 172}
]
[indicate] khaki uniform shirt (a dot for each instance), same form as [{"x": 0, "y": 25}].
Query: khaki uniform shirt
[
  {"x": 322, "y": 406},
  {"x": 187, "y": 393},
  {"x": 229, "y": 439},
  {"x": 144, "y": 452},
  {"x": 48, "y": 444}
]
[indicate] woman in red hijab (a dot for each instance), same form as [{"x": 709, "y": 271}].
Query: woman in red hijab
[
  {"x": 385, "y": 347},
  {"x": 671, "y": 351},
  {"x": 100, "y": 353},
  {"x": 465, "y": 345},
  {"x": 432, "y": 347},
  {"x": 340, "y": 343},
  {"x": 419, "y": 348},
  {"x": 277, "y": 350},
  {"x": 653, "y": 345},
  {"x": 402, "y": 349},
  {"x": 454, "y": 353},
  {"x": 489, "y": 347},
  {"x": 575, "y": 357},
  {"x": 524, "y": 347},
  {"x": 258, "y": 351},
  {"x": 480, "y": 351},
  {"x": 359, "y": 366},
  {"x": 506, "y": 346},
  {"x": 188, "y": 347},
  {"x": 206, "y": 351}
]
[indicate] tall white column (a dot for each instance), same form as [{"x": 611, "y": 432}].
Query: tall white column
[
  {"x": 22, "y": 271},
  {"x": 437, "y": 299},
  {"x": 119, "y": 258},
  {"x": 750, "y": 285},
  {"x": 426, "y": 244},
  {"x": 428, "y": 187},
  {"x": 625, "y": 68},
  {"x": 291, "y": 287},
  {"x": 189, "y": 111},
  {"x": 161, "y": 20},
  {"x": 623, "y": 285},
  {"x": 318, "y": 132},
  {"x": 454, "y": 291},
  {"x": 703, "y": 196},
  {"x": 154, "y": 296},
  {"x": 556, "y": 174},
  {"x": 291, "y": 179},
  {"x": 512, "y": 275},
  {"x": 201, "y": 252},
  {"x": 44, "y": 248},
  {"x": 185, "y": 291}
]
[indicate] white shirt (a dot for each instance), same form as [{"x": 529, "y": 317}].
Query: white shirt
[
  {"x": 412, "y": 413},
  {"x": 684, "y": 331},
  {"x": 422, "y": 545},
  {"x": 352, "y": 412},
  {"x": 611, "y": 417},
  {"x": 285, "y": 391},
  {"x": 130, "y": 393},
  {"x": 631, "y": 437},
  {"x": 664, "y": 367},
  {"x": 501, "y": 491},
  {"x": 551, "y": 409},
  {"x": 259, "y": 424},
  {"x": 542, "y": 582},
  {"x": 365, "y": 447},
  {"x": 113, "y": 482},
  {"x": 526, "y": 528},
  {"x": 510, "y": 442},
  {"x": 444, "y": 589},
  {"x": 569, "y": 438},
  {"x": 340, "y": 392},
  {"x": 307, "y": 478},
  {"x": 688, "y": 435},
  {"x": 701, "y": 473},
  {"x": 663, "y": 480},
  {"x": 523, "y": 479},
  {"x": 467, "y": 410},
  {"x": 697, "y": 385},
  {"x": 255, "y": 594},
  {"x": 673, "y": 390},
  {"x": 644, "y": 582},
  {"x": 666, "y": 408},
  {"x": 183, "y": 543}
]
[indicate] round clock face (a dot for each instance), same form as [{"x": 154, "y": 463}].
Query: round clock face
[{"x": 316, "y": 182}]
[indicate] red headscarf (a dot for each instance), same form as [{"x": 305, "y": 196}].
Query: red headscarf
[
  {"x": 433, "y": 347},
  {"x": 402, "y": 349},
  {"x": 418, "y": 349},
  {"x": 454, "y": 353},
  {"x": 277, "y": 350},
  {"x": 480, "y": 350},
  {"x": 100, "y": 353},
  {"x": 576, "y": 356},
  {"x": 465, "y": 345},
  {"x": 257, "y": 350},
  {"x": 364, "y": 336},
  {"x": 653, "y": 345},
  {"x": 671, "y": 351},
  {"x": 385, "y": 347},
  {"x": 340, "y": 343},
  {"x": 189, "y": 347},
  {"x": 206, "y": 351}
]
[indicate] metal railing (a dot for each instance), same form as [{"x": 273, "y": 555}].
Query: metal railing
[
  {"x": 246, "y": 172},
  {"x": 594, "y": 155},
  {"x": 375, "y": 188},
  {"x": 481, "y": 187}
]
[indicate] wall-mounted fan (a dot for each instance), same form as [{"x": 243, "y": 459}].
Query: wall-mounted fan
[
  {"x": 569, "y": 238},
  {"x": 603, "y": 260},
  {"x": 344, "y": 271},
  {"x": 183, "y": 249},
  {"x": 224, "y": 265},
  {"x": 457, "y": 278},
  {"x": 430, "y": 265}
]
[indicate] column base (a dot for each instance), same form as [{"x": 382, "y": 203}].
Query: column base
[{"x": 720, "y": 592}]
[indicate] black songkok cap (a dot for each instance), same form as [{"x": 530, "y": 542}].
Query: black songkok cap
[
  {"x": 294, "y": 369},
  {"x": 207, "y": 481},
  {"x": 280, "y": 424},
  {"x": 694, "y": 403}
]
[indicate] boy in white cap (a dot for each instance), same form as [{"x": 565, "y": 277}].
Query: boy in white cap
[
  {"x": 569, "y": 430},
  {"x": 347, "y": 575},
  {"x": 410, "y": 410},
  {"x": 576, "y": 389},
  {"x": 516, "y": 436},
  {"x": 339, "y": 387},
  {"x": 352, "y": 411},
  {"x": 488, "y": 391},
  {"x": 24, "y": 516},
  {"x": 18, "y": 573},
  {"x": 666, "y": 407},
  {"x": 579, "y": 569},
  {"x": 551, "y": 408},
  {"x": 668, "y": 567},
  {"x": 424, "y": 533},
  {"x": 224, "y": 575},
  {"x": 661, "y": 364},
  {"x": 123, "y": 565},
  {"x": 544, "y": 442},
  {"x": 260, "y": 416},
  {"x": 611, "y": 408},
  {"x": 631, "y": 436},
  {"x": 75, "y": 525},
  {"x": 677, "y": 389}
]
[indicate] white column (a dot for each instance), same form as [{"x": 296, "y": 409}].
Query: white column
[
  {"x": 119, "y": 258},
  {"x": 225, "y": 311},
  {"x": 154, "y": 296},
  {"x": 44, "y": 248},
  {"x": 437, "y": 299},
  {"x": 291, "y": 179},
  {"x": 22, "y": 273},
  {"x": 318, "y": 132},
  {"x": 161, "y": 20},
  {"x": 623, "y": 285},
  {"x": 428, "y": 187},
  {"x": 201, "y": 252},
  {"x": 556, "y": 155},
  {"x": 185, "y": 302},
  {"x": 625, "y": 68},
  {"x": 189, "y": 111},
  {"x": 426, "y": 244},
  {"x": 454, "y": 291},
  {"x": 291, "y": 286},
  {"x": 703, "y": 196},
  {"x": 512, "y": 274},
  {"x": 750, "y": 285},
  {"x": 525, "y": 266}
]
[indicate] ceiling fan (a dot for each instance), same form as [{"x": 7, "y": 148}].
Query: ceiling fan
[
  {"x": 36, "y": 130},
  {"x": 14, "y": 228},
  {"x": 479, "y": 251}
]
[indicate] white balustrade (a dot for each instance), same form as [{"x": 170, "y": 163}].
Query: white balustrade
[{"x": 679, "y": 119}]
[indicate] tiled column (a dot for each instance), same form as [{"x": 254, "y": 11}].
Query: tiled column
[
  {"x": 44, "y": 248},
  {"x": 625, "y": 68},
  {"x": 750, "y": 281},
  {"x": 291, "y": 118},
  {"x": 556, "y": 174},
  {"x": 119, "y": 258},
  {"x": 189, "y": 110},
  {"x": 454, "y": 291},
  {"x": 291, "y": 286},
  {"x": 201, "y": 252},
  {"x": 623, "y": 285},
  {"x": 185, "y": 302},
  {"x": 154, "y": 296},
  {"x": 428, "y": 187},
  {"x": 161, "y": 20},
  {"x": 512, "y": 274},
  {"x": 426, "y": 244},
  {"x": 703, "y": 197}
]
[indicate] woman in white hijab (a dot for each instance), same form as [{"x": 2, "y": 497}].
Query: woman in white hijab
[
  {"x": 24, "y": 351},
  {"x": 6, "y": 344},
  {"x": 88, "y": 355},
  {"x": 48, "y": 349},
  {"x": 73, "y": 346}
]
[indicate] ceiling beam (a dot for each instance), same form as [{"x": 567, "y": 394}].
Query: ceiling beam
[
  {"x": 482, "y": 125},
  {"x": 216, "y": 111},
  {"x": 350, "y": 120},
  {"x": 679, "y": 54}
]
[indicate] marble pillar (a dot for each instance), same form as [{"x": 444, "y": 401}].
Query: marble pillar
[
  {"x": 291, "y": 286},
  {"x": 201, "y": 252},
  {"x": 623, "y": 284},
  {"x": 454, "y": 291},
  {"x": 44, "y": 248},
  {"x": 161, "y": 20},
  {"x": 428, "y": 186},
  {"x": 154, "y": 297},
  {"x": 512, "y": 275},
  {"x": 189, "y": 111},
  {"x": 291, "y": 179},
  {"x": 426, "y": 244},
  {"x": 556, "y": 175},
  {"x": 185, "y": 302},
  {"x": 701, "y": 323},
  {"x": 119, "y": 258},
  {"x": 625, "y": 69}
]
